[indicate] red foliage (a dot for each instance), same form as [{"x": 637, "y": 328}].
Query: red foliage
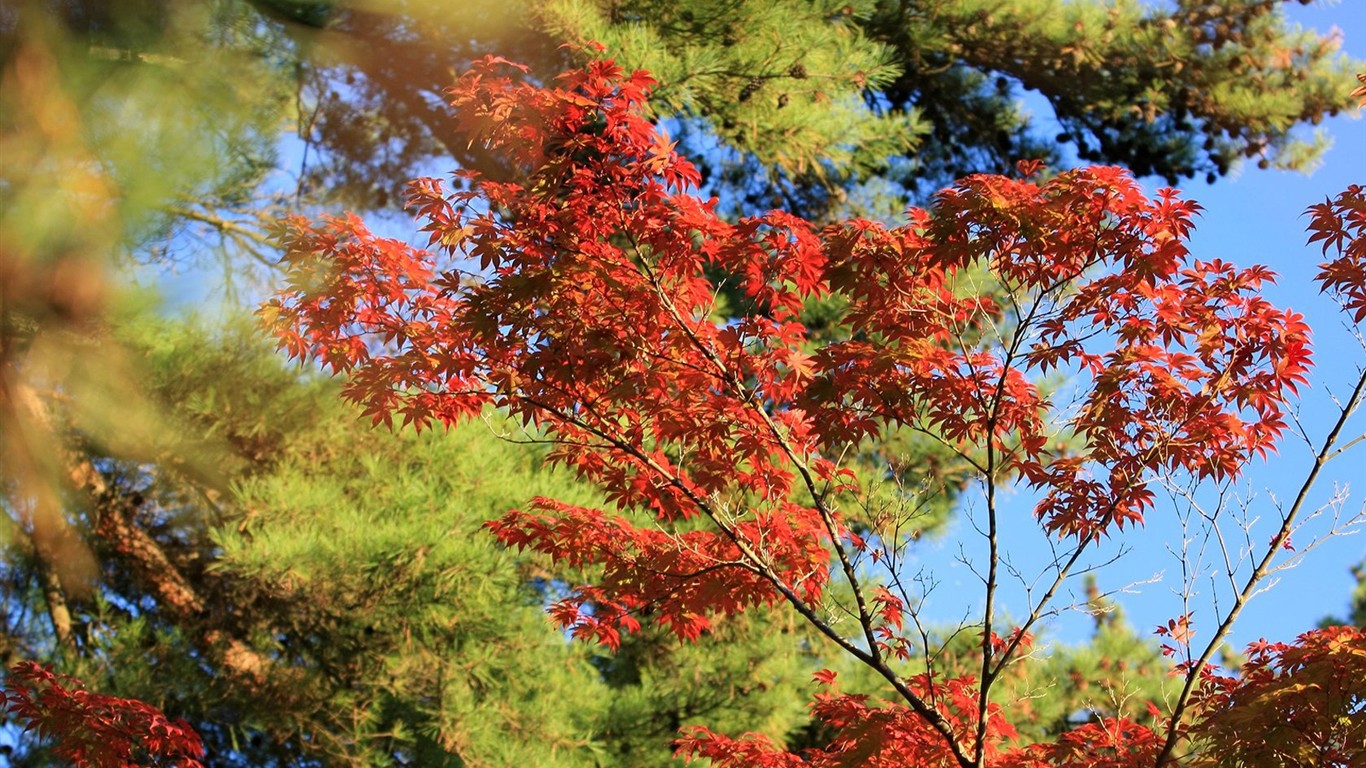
[
  {"x": 1340, "y": 224},
  {"x": 868, "y": 734},
  {"x": 93, "y": 730},
  {"x": 1179, "y": 630},
  {"x": 588, "y": 311},
  {"x": 590, "y": 316},
  {"x": 1298, "y": 704},
  {"x": 1109, "y": 743}
]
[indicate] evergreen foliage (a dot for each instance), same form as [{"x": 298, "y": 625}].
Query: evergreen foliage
[
  {"x": 816, "y": 106},
  {"x": 373, "y": 622},
  {"x": 1170, "y": 89}
]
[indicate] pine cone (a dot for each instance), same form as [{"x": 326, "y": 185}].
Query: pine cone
[{"x": 751, "y": 88}]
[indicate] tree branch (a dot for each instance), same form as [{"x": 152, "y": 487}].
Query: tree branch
[{"x": 1325, "y": 453}]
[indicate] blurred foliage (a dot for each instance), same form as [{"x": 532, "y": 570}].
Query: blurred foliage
[
  {"x": 1118, "y": 673},
  {"x": 101, "y": 134},
  {"x": 345, "y": 607}
]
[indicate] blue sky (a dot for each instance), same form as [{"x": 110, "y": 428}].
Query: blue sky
[
  {"x": 1258, "y": 217},
  {"x": 1254, "y": 216}
]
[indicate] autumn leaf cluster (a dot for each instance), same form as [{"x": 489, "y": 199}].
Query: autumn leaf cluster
[{"x": 93, "y": 730}]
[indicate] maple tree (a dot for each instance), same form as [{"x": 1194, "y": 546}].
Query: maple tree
[
  {"x": 588, "y": 314},
  {"x": 93, "y": 730}
]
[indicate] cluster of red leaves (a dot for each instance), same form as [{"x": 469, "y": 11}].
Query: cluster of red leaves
[
  {"x": 868, "y": 733},
  {"x": 1340, "y": 224},
  {"x": 679, "y": 577},
  {"x": 1109, "y": 743},
  {"x": 891, "y": 735},
  {"x": 92, "y": 730},
  {"x": 1195, "y": 366},
  {"x": 1298, "y": 704},
  {"x": 588, "y": 311},
  {"x": 1179, "y": 630}
]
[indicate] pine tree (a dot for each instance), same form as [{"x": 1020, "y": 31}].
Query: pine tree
[
  {"x": 1174, "y": 90},
  {"x": 797, "y": 104},
  {"x": 1177, "y": 92},
  {"x": 1356, "y": 612},
  {"x": 1117, "y": 673}
]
